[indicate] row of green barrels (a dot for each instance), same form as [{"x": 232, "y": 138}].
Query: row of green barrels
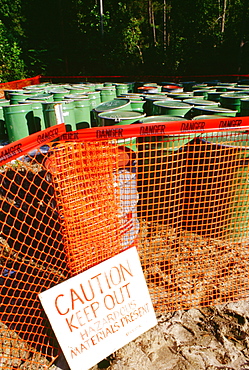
[{"x": 84, "y": 105}]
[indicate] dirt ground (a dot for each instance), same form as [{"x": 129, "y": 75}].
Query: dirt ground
[{"x": 210, "y": 338}]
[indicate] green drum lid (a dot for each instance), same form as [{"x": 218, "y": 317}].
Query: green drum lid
[
  {"x": 114, "y": 104},
  {"x": 160, "y": 118},
  {"x": 90, "y": 86},
  {"x": 232, "y": 98},
  {"x": 106, "y": 89},
  {"x": 172, "y": 104},
  {"x": 44, "y": 97},
  {"x": 226, "y": 83},
  {"x": 76, "y": 96},
  {"x": 199, "y": 86},
  {"x": 58, "y": 91},
  {"x": 156, "y": 97},
  {"x": 207, "y": 116},
  {"x": 130, "y": 97},
  {"x": 180, "y": 96},
  {"x": 200, "y": 102},
  {"x": 78, "y": 90},
  {"x": 215, "y": 110},
  {"x": 4, "y": 102},
  {"x": 243, "y": 86},
  {"x": 237, "y": 90},
  {"x": 121, "y": 116}
]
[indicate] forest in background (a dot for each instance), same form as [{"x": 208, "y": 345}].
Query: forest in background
[{"x": 128, "y": 37}]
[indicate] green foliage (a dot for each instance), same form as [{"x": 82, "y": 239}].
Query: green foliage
[
  {"x": 167, "y": 37},
  {"x": 11, "y": 63}
]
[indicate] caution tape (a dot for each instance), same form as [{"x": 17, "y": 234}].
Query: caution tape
[
  {"x": 157, "y": 129},
  {"x": 23, "y": 146}
]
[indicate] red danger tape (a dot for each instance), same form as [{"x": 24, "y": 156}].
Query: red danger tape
[
  {"x": 23, "y": 146},
  {"x": 158, "y": 128}
]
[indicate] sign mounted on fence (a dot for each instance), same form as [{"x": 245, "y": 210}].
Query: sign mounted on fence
[{"x": 100, "y": 310}]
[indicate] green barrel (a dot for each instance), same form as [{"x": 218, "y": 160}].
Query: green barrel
[
  {"x": 149, "y": 108},
  {"x": 108, "y": 84},
  {"x": 78, "y": 90},
  {"x": 98, "y": 85},
  {"x": 19, "y": 121},
  {"x": 107, "y": 93},
  {"x": 200, "y": 86},
  {"x": 221, "y": 88},
  {"x": 58, "y": 94},
  {"x": 162, "y": 171},
  {"x": 214, "y": 96},
  {"x": 121, "y": 89},
  {"x": 137, "y": 105},
  {"x": 116, "y": 104},
  {"x": 41, "y": 97},
  {"x": 131, "y": 87},
  {"x": 49, "y": 113},
  {"x": 119, "y": 117},
  {"x": 134, "y": 96},
  {"x": 38, "y": 114},
  {"x": 7, "y": 92},
  {"x": 122, "y": 117},
  {"x": 82, "y": 113},
  {"x": 207, "y": 116},
  {"x": 90, "y": 86},
  {"x": 199, "y": 102},
  {"x": 172, "y": 108},
  {"x": 75, "y": 96},
  {"x": 15, "y": 98},
  {"x": 244, "y": 107},
  {"x": 196, "y": 102},
  {"x": 180, "y": 95},
  {"x": 220, "y": 177},
  {"x": 170, "y": 143},
  {"x": 34, "y": 90},
  {"x": 203, "y": 92},
  {"x": 206, "y": 110},
  {"x": 3, "y": 130},
  {"x": 232, "y": 101},
  {"x": 95, "y": 99},
  {"x": 67, "y": 111}
]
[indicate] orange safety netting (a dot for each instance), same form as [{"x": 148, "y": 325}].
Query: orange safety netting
[
  {"x": 181, "y": 198},
  {"x": 18, "y": 84}
]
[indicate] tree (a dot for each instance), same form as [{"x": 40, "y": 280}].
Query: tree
[{"x": 11, "y": 63}]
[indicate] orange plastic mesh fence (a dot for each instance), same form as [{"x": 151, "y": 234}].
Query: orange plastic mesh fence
[
  {"x": 88, "y": 198},
  {"x": 182, "y": 199}
]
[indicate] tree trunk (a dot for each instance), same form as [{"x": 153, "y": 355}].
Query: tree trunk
[
  {"x": 164, "y": 25},
  {"x": 223, "y": 17},
  {"x": 152, "y": 21}
]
